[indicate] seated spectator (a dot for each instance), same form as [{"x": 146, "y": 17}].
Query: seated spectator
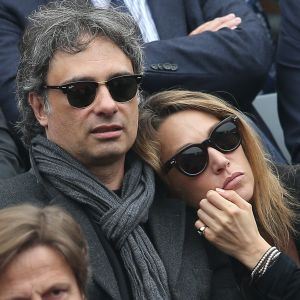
[
  {"x": 208, "y": 155},
  {"x": 288, "y": 76},
  {"x": 43, "y": 254}
]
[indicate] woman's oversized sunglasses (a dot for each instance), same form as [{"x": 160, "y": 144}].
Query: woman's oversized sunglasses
[
  {"x": 193, "y": 159},
  {"x": 81, "y": 94}
]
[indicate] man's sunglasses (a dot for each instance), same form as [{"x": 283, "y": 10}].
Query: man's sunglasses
[
  {"x": 81, "y": 94},
  {"x": 193, "y": 159}
]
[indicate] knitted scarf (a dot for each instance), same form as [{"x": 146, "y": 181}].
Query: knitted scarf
[{"x": 118, "y": 217}]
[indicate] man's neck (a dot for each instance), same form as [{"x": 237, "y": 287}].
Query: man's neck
[{"x": 110, "y": 175}]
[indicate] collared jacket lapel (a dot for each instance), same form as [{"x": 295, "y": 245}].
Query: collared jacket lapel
[
  {"x": 179, "y": 246},
  {"x": 166, "y": 228},
  {"x": 195, "y": 269}
]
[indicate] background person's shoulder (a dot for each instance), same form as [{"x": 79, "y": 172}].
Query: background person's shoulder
[{"x": 20, "y": 189}]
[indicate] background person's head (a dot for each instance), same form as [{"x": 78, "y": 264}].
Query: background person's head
[
  {"x": 71, "y": 41},
  {"x": 171, "y": 120},
  {"x": 42, "y": 250}
]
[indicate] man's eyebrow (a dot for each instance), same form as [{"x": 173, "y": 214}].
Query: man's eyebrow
[
  {"x": 18, "y": 298},
  {"x": 90, "y": 78},
  {"x": 78, "y": 78}
]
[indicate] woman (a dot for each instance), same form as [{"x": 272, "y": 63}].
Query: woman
[
  {"x": 43, "y": 254},
  {"x": 207, "y": 154}
]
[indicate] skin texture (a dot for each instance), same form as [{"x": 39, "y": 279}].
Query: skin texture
[
  {"x": 227, "y": 214},
  {"x": 90, "y": 134},
  {"x": 39, "y": 273}
]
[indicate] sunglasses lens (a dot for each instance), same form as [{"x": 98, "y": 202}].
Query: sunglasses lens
[
  {"x": 82, "y": 94},
  {"x": 122, "y": 89},
  {"x": 227, "y": 137},
  {"x": 193, "y": 160}
]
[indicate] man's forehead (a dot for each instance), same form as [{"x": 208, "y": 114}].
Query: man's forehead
[
  {"x": 100, "y": 60},
  {"x": 83, "y": 45}
]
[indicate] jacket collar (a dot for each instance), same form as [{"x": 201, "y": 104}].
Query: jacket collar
[{"x": 167, "y": 229}]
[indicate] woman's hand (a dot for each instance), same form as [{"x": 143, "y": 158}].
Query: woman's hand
[{"x": 231, "y": 226}]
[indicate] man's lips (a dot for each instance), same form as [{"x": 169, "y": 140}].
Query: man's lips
[
  {"x": 107, "y": 131},
  {"x": 233, "y": 180}
]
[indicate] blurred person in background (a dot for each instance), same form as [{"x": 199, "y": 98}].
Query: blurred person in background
[
  {"x": 288, "y": 76},
  {"x": 43, "y": 254}
]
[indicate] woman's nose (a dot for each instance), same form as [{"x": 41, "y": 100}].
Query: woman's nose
[{"x": 217, "y": 160}]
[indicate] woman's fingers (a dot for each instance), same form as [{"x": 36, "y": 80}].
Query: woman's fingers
[
  {"x": 230, "y": 225},
  {"x": 207, "y": 219},
  {"x": 224, "y": 214},
  {"x": 233, "y": 197}
]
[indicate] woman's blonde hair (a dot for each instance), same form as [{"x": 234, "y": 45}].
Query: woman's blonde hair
[{"x": 271, "y": 202}]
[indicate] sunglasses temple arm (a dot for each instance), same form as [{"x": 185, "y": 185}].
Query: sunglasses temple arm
[{"x": 168, "y": 165}]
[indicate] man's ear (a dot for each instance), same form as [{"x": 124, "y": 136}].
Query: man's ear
[{"x": 36, "y": 102}]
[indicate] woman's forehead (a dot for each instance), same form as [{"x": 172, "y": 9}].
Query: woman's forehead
[{"x": 183, "y": 128}]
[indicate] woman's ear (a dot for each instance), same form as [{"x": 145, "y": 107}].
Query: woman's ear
[{"x": 37, "y": 104}]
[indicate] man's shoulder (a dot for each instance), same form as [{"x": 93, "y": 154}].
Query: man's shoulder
[{"x": 21, "y": 188}]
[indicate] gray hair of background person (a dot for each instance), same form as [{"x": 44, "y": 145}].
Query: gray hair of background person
[
  {"x": 68, "y": 26},
  {"x": 25, "y": 226}
]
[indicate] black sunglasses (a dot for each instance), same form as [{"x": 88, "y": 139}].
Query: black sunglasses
[
  {"x": 193, "y": 159},
  {"x": 81, "y": 94}
]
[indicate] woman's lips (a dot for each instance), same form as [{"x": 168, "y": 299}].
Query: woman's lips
[{"x": 233, "y": 180}]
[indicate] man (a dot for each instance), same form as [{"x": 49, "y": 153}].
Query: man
[
  {"x": 288, "y": 80},
  {"x": 77, "y": 86}
]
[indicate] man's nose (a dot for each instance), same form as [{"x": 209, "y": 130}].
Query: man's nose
[
  {"x": 217, "y": 160},
  {"x": 104, "y": 103}
]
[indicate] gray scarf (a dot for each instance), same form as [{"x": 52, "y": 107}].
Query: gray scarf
[{"x": 118, "y": 217}]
